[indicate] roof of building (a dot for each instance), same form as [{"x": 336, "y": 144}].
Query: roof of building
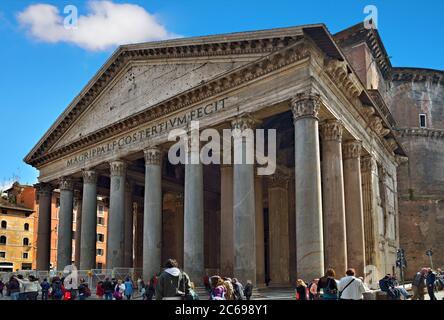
[{"x": 6, "y": 204}]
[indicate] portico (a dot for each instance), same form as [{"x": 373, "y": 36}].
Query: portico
[{"x": 223, "y": 218}]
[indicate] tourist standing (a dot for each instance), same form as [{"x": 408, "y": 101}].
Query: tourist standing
[
  {"x": 84, "y": 291},
  {"x": 172, "y": 284},
  {"x": 119, "y": 290},
  {"x": 238, "y": 290},
  {"x": 108, "y": 289},
  {"x": 248, "y": 290},
  {"x": 418, "y": 284},
  {"x": 99, "y": 290},
  {"x": 350, "y": 287},
  {"x": 313, "y": 289},
  {"x": 13, "y": 288},
  {"x": 45, "y": 289},
  {"x": 2, "y": 286},
  {"x": 430, "y": 283},
  {"x": 128, "y": 288},
  {"x": 150, "y": 289},
  {"x": 328, "y": 285},
  {"x": 30, "y": 288},
  {"x": 301, "y": 290},
  {"x": 56, "y": 289},
  {"x": 218, "y": 288}
]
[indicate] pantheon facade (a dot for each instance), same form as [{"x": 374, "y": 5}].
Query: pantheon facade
[{"x": 332, "y": 201}]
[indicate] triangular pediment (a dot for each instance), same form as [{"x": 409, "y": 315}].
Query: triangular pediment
[{"x": 140, "y": 86}]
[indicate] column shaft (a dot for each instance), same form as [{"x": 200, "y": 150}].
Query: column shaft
[
  {"x": 260, "y": 245},
  {"x": 226, "y": 221},
  {"x": 44, "y": 226},
  {"x": 64, "y": 234},
  {"x": 89, "y": 221},
  {"x": 335, "y": 244},
  {"x": 152, "y": 220},
  {"x": 194, "y": 222},
  {"x": 129, "y": 227},
  {"x": 354, "y": 207},
  {"x": 309, "y": 236},
  {"x": 77, "y": 241},
  {"x": 244, "y": 206},
  {"x": 116, "y": 218}
]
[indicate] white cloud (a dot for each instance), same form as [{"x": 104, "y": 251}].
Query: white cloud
[{"x": 106, "y": 25}]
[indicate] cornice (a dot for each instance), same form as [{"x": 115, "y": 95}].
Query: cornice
[
  {"x": 277, "y": 59},
  {"x": 417, "y": 75},
  {"x": 421, "y": 132}
]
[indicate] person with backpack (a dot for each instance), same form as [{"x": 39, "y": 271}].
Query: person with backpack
[
  {"x": 238, "y": 290},
  {"x": 108, "y": 289},
  {"x": 173, "y": 283},
  {"x": 128, "y": 288},
  {"x": 419, "y": 284},
  {"x": 328, "y": 285},
  {"x": 350, "y": 287},
  {"x": 218, "y": 288},
  {"x": 248, "y": 290},
  {"x": 119, "y": 290},
  {"x": 45, "y": 289},
  {"x": 56, "y": 289},
  {"x": 13, "y": 288}
]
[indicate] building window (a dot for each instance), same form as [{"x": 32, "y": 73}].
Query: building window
[
  {"x": 4, "y": 211},
  {"x": 25, "y": 241},
  {"x": 57, "y": 202},
  {"x": 422, "y": 120},
  {"x": 100, "y": 237},
  {"x": 100, "y": 252},
  {"x": 2, "y": 254},
  {"x": 99, "y": 265},
  {"x": 26, "y": 226},
  {"x": 2, "y": 240},
  {"x": 25, "y": 255},
  {"x": 4, "y": 224},
  {"x": 100, "y": 210},
  {"x": 101, "y": 221},
  {"x": 26, "y": 266}
]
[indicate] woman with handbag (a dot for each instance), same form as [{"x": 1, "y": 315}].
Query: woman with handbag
[
  {"x": 328, "y": 285},
  {"x": 119, "y": 289}
]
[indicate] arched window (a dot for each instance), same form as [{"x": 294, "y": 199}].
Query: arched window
[
  {"x": 4, "y": 224},
  {"x": 26, "y": 226},
  {"x": 25, "y": 241},
  {"x": 2, "y": 240}
]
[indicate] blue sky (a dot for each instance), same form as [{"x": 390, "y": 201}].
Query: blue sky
[{"x": 39, "y": 79}]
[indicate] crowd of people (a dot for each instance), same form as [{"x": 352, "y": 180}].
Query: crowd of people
[{"x": 174, "y": 284}]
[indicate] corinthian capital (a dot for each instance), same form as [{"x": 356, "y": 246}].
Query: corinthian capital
[
  {"x": 305, "y": 104},
  {"x": 153, "y": 155},
  {"x": 66, "y": 183},
  {"x": 351, "y": 149},
  {"x": 368, "y": 164},
  {"x": 43, "y": 188},
  {"x": 117, "y": 168},
  {"x": 243, "y": 122},
  {"x": 332, "y": 130},
  {"x": 279, "y": 180},
  {"x": 89, "y": 176}
]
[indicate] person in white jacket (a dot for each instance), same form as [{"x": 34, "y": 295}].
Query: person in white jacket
[
  {"x": 119, "y": 290},
  {"x": 350, "y": 287},
  {"x": 30, "y": 287}
]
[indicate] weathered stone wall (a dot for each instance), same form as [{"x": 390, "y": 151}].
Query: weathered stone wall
[{"x": 421, "y": 179}]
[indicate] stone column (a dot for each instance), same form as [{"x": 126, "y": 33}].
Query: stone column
[
  {"x": 179, "y": 228},
  {"x": 194, "y": 219},
  {"x": 64, "y": 234},
  {"x": 138, "y": 243},
  {"x": 226, "y": 221},
  {"x": 354, "y": 207},
  {"x": 260, "y": 245},
  {"x": 116, "y": 217},
  {"x": 152, "y": 217},
  {"x": 77, "y": 241},
  {"x": 335, "y": 243},
  {"x": 309, "y": 231},
  {"x": 44, "y": 191},
  {"x": 89, "y": 221},
  {"x": 278, "y": 229},
  {"x": 244, "y": 213},
  {"x": 129, "y": 226}
]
